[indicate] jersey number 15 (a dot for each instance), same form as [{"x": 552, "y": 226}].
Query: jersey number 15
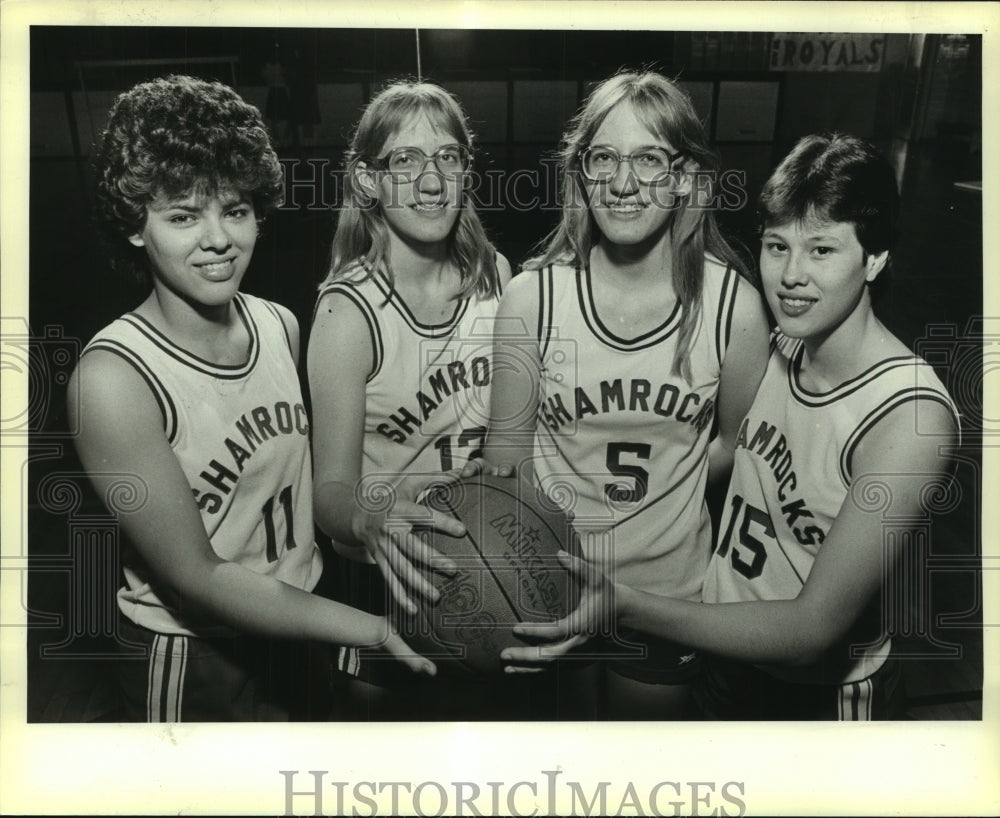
[{"x": 749, "y": 554}]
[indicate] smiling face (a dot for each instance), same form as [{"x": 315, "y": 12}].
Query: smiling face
[
  {"x": 627, "y": 212},
  {"x": 420, "y": 209},
  {"x": 815, "y": 275},
  {"x": 199, "y": 246}
]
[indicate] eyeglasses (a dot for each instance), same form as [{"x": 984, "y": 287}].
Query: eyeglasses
[
  {"x": 649, "y": 165},
  {"x": 450, "y": 160}
]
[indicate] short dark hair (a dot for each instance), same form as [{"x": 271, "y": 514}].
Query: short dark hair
[
  {"x": 835, "y": 177},
  {"x": 173, "y": 135}
]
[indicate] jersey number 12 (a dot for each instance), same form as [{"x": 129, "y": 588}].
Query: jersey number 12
[{"x": 471, "y": 439}]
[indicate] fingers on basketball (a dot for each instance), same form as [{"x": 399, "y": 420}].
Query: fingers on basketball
[{"x": 507, "y": 573}]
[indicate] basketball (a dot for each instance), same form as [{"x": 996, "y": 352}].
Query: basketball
[{"x": 507, "y": 572}]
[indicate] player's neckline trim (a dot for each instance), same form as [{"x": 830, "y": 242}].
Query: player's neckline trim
[
  {"x": 588, "y": 307},
  {"x": 393, "y": 297},
  {"x": 189, "y": 359},
  {"x": 848, "y": 387}
]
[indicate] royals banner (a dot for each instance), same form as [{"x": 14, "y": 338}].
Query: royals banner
[{"x": 827, "y": 52}]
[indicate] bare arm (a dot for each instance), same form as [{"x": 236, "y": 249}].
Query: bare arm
[
  {"x": 291, "y": 327},
  {"x": 848, "y": 571},
  {"x": 516, "y": 379},
  {"x": 121, "y": 431},
  {"x": 742, "y": 371},
  {"x": 339, "y": 360},
  {"x": 503, "y": 271}
]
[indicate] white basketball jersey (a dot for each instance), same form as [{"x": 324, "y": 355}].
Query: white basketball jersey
[
  {"x": 791, "y": 475},
  {"x": 242, "y": 438},
  {"x": 622, "y": 443},
  {"x": 427, "y": 397}
]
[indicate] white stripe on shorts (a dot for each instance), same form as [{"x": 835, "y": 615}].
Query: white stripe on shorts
[
  {"x": 165, "y": 690},
  {"x": 348, "y": 661},
  {"x": 855, "y": 702}
]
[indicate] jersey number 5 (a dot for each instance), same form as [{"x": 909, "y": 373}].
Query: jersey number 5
[
  {"x": 639, "y": 476},
  {"x": 750, "y": 555}
]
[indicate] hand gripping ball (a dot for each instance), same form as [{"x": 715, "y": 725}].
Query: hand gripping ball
[{"x": 507, "y": 573}]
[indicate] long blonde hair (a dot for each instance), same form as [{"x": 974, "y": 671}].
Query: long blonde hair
[
  {"x": 666, "y": 110},
  {"x": 362, "y": 236}
]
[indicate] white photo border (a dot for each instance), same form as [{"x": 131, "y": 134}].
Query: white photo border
[{"x": 928, "y": 768}]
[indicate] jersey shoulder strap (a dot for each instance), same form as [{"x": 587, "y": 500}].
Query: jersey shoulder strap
[
  {"x": 359, "y": 295},
  {"x": 128, "y": 339},
  {"x": 719, "y": 293}
]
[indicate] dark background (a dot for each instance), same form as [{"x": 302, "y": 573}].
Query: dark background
[{"x": 922, "y": 107}]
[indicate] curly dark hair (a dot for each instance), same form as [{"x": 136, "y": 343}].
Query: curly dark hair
[{"x": 171, "y": 136}]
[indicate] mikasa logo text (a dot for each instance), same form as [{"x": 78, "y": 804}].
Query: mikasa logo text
[{"x": 541, "y": 594}]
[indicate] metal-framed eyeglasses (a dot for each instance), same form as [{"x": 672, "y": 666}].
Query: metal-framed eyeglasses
[
  {"x": 408, "y": 163},
  {"x": 649, "y": 164}
]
